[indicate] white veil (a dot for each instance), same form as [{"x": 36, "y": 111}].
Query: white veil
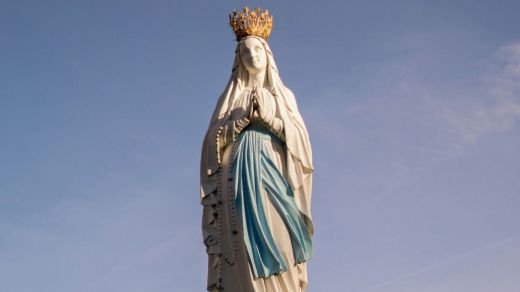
[{"x": 298, "y": 148}]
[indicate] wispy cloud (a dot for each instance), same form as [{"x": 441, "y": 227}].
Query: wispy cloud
[{"x": 498, "y": 108}]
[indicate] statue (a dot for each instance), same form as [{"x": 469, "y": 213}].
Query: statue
[{"x": 256, "y": 174}]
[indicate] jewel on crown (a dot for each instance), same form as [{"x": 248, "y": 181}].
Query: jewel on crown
[{"x": 251, "y": 22}]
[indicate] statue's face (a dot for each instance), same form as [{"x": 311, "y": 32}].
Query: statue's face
[{"x": 253, "y": 55}]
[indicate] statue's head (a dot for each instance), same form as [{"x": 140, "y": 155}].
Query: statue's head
[{"x": 253, "y": 55}]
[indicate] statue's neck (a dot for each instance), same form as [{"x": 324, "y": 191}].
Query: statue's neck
[{"x": 256, "y": 80}]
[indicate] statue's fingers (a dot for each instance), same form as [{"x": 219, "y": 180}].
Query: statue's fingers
[{"x": 251, "y": 110}]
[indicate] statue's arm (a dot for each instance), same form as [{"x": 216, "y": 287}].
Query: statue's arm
[
  {"x": 267, "y": 115},
  {"x": 276, "y": 126},
  {"x": 230, "y": 130}
]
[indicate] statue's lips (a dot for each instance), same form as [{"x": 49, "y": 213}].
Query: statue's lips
[{"x": 255, "y": 63}]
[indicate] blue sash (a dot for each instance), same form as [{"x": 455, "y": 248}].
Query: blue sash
[{"x": 254, "y": 170}]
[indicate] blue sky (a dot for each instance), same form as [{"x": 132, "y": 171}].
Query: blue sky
[{"x": 413, "y": 109}]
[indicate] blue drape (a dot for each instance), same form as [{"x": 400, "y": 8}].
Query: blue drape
[{"x": 254, "y": 170}]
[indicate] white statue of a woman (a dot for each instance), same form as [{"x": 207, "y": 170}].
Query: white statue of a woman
[{"x": 256, "y": 174}]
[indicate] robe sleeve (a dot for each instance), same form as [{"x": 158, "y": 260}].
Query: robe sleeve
[{"x": 227, "y": 133}]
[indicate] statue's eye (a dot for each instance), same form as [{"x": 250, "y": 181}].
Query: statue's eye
[{"x": 258, "y": 48}]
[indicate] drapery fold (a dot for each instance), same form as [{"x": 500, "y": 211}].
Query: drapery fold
[{"x": 254, "y": 172}]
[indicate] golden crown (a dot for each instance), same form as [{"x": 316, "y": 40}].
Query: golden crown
[{"x": 251, "y": 22}]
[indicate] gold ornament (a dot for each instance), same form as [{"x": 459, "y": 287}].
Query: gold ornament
[{"x": 251, "y": 22}]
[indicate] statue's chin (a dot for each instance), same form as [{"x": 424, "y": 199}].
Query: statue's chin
[{"x": 255, "y": 70}]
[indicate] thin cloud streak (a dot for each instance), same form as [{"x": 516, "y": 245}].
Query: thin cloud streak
[{"x": 460, "y": 257}]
